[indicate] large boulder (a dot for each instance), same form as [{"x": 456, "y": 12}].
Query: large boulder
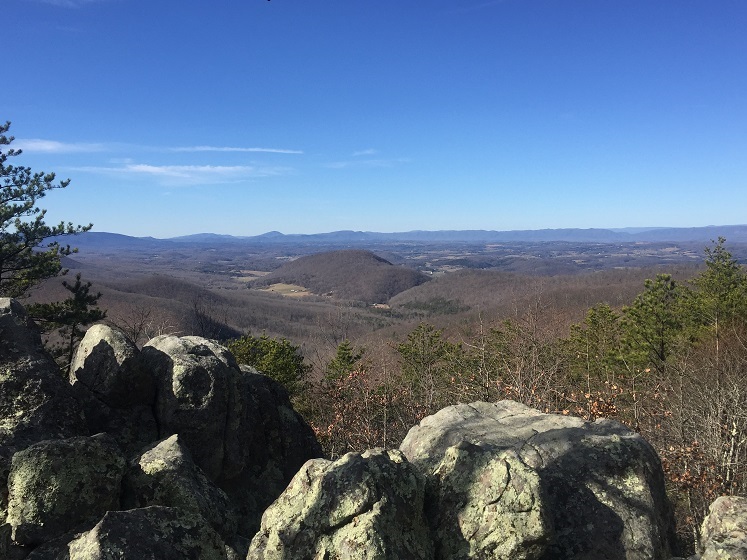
[
  {"x": 239, "y": 427},
  {"x": 56, "y": 485},
  {"x": 267, "y": 443},
  {"x": 362, "y": 506},
  {"x": 223, "y": 432},
  {"x": 115, "y": 390},
  {"x": 724, "y": 532},
  {"x": 575, "y": 489},
  {"x": 108, "y": 364},
  {"x": 153, "y": 532},
  {"x": 165, "y": 475},
  {"x": 193, "y": 378}
]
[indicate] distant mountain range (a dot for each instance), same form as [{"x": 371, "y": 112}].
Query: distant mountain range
[{"x": 733, "y": 234}]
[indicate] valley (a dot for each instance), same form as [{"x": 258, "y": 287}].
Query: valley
[{"x": 319, "y": 290}]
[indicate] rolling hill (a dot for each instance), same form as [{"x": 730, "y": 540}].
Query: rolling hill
[{"x": 349, "y": 274}]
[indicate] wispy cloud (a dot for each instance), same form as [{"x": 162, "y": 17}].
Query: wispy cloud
[
  {"x": 55, "y": 146},
  {"x": 37, "y": 145},
  {"x": 368, "y": 152},
  {"x": 71, "y": 3},
  {"x": 189, "y": 175},
  {"x": 366, "y": 163},
  {"x": 232, "y": 149}
]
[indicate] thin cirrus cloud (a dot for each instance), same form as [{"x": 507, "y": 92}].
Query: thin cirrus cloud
[
  {"x": 71, "y": 3},
  {"x": 233, "y": 149},
  {"x": 367, "y": 152},
  {"x": 366, "y": 163},
  {"x": 37, "y": 145},
  {"x": 188, "y": 175}
]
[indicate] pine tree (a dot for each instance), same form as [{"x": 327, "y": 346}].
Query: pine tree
[
  {"x": 29, "y": 252},
  {"x": 655, "y": 323},
  {"x": 67, "y": 318},
  {"x": 344, "y": 362},
  {"x": 278, "y": 359}
]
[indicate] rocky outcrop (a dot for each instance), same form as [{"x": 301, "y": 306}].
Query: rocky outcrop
[
  {"x": 485, "y": 502},
  {"x": 536, "y": 485},
  {"x": 498, "y": 481},
  {"x": 363, "y": 506},
  {"x": 194, "y": 391},
  {"x": 724, "y": 532},
  {"x": 36, "y": 402},
  {"x": 108, "y": 364},
  {"x": 189, "y": 449}
]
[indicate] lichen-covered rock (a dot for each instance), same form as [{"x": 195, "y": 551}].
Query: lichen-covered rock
[
  {"x": 165, "y": 475},
  {"x": 601, "y": 485},
  {"x": 193, "y": 377},
  {"x": 239, "y": 427},
  {"x": 361, "y": 507},
  {"x": 154, "y": 532},
  {"x": 36, "y": 403},
  {"x": 107, "y": 363},
  {"x": 486, "y": 503},
  {"x": 724, "y": 532},
  {"x": 56, "y": 485}
]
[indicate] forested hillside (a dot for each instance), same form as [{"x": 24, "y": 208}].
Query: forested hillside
[{"x": 346, "y": 275}]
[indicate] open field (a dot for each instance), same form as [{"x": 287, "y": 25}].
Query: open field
[{"x": 288, "y": 290}]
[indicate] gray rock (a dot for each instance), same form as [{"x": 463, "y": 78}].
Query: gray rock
[
  {"x": 116, "y": 392},
  {"x": 239, "y": 427},
  {"x": 149, "y": 533},
  {"x": 55, "y": 485},
  {"x": 193, "y": 377},
  {"x": 165, "y": 475},
  {"x": 486, "y": 503},
  {"x": 108, "y": 364},
  {"x": 5, "y": 532},
  {"x": 267, "y": 442},
  {"x": 601, "y": 486},
  {"x": 724, "y": 532},
  {"x": 36, "y": 403},
  {"x": 362, "y": 506}
]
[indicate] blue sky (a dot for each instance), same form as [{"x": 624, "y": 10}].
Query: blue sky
[{"x": 307, "y": 116}]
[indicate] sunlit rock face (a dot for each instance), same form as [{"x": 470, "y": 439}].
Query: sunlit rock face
[
  {"x": 508, "y": 481},
  {"x": 724, "y": 532},
  {"x": 364, "y": 505}
]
